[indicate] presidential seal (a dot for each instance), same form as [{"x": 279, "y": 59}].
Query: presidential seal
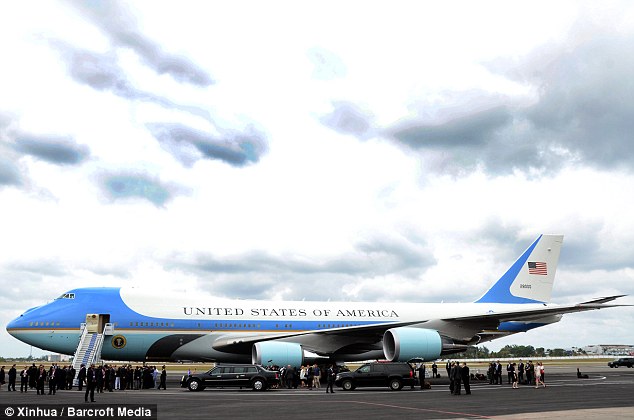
[{"x": 118, "y": 341}]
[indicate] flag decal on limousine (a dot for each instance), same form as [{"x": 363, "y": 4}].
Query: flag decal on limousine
[{"x": 538, "y": 268}]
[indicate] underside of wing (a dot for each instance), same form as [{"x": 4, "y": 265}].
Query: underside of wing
[{"x": 333, "y": 339}]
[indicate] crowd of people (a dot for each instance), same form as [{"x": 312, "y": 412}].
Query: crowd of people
[
  {"x": 308, "y": 376},
  {"x": 125, "y": 377},
  {"x": 39, "y": 378},
  {"x": 517, "y": 373},
  {"x": 96, "y": 379}
]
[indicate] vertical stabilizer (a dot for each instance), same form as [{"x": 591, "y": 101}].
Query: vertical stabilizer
[{"x": 530, "y": 279}]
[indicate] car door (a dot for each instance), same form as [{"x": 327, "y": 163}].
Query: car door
[
  {"x": 241, "y": 376},
  {"x": 214, "y": 376},
  {"x": 378, "y": 376},
  {"x": 230, "y": 375},
  {"x": 363, "y": 375}
]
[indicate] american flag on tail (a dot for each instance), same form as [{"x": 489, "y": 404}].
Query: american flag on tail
[{"x": 537, "y": 268}]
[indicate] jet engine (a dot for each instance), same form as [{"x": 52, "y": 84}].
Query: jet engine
[
  {"x": 277, "y": 353},
  {"x": 405, "y": 343}
]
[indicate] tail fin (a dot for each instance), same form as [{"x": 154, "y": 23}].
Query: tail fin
[{"x": 530, "y": 279}]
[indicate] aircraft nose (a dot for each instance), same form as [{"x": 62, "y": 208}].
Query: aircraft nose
[{"x": 15, "y": 323}]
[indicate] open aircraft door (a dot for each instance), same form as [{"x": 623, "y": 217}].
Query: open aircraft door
[{"x": 95, "y": 323}]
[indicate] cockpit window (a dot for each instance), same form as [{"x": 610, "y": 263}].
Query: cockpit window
[{"x": 67, "y": 296}]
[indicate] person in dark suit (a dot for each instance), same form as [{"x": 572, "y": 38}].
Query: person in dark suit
[
  {"x": 99, "y": 373},
  {"x": 530, "y": 373},
  {"x": 464, "y": 374},
  {"x": 163, "y": 382},
  {"x": 421, "y": 375},
  {"x": 455, "y": 376},
  {"x": 81, "y": 377},
  {"x": 332, "y": 373},
  {"x": 52, "y": 380},
  {"x": 70, "y": 377},
  {"x": 91, "y": 383},
  {"x": 24, "y": 379},
  {"x": 509, "y": 372},
  {"x": 13, "y": 373},
  {"x": 450, "y": 376},
  {"x": 41, "y": 380},
  {"x": 289, "y": 376},
  {"x": 498, "y": 373},
  {"x": 33, "y": 374}
]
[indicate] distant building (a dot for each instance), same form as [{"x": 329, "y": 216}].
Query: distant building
[
  {"x": 610, "y": 349},
  {"x": 56, "y": 358}
]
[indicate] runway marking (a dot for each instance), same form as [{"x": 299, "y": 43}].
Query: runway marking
[{"x": 420, "y": 409}]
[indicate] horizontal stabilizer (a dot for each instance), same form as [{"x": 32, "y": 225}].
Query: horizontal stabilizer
[{"x": 604, "y": 299}]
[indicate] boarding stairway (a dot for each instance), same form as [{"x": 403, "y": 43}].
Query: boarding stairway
[{"x": 89, "y": 348}]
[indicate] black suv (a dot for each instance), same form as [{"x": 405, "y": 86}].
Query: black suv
[
  {"x": 624, "y": 361},
  {"x": 393, "y": 375},
  {"x": 247, "y": 376}
]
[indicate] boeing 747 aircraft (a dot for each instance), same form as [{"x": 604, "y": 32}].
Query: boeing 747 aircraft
[{"x": 141, "y": 325}]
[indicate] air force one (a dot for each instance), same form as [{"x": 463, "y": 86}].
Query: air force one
[{"x": 139, "y": 325}]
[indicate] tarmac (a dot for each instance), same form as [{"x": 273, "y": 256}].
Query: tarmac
[{"x": 607, "y": 393}]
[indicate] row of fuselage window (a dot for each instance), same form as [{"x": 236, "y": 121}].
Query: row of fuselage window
[
  {"x": 51, "y": 324},
  {"x": 171, "y": 325},
  {"x": 233, "y": 326}
]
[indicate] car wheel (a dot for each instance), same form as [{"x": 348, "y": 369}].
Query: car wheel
[
  {"x": 195, "y": 385},
  {"x": 347, "y": 385},
  {"x": 395, "y": 384},
  {"x": 258, "y": 385}
]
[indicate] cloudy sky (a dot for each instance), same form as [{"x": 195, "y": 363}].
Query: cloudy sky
[{"x": 356, "y": 151}]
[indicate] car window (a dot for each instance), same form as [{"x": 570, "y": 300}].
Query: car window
[
  {"x": 364, "y": 369},
  {"x": 239, "y": 369},
  {"x": 378, "y": 368},
  {"x": 251, "y": 369}
]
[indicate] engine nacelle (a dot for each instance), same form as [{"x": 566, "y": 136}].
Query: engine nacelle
[
  {"x": 277, "y": 353},
  {"x": 405, "y": 343}
]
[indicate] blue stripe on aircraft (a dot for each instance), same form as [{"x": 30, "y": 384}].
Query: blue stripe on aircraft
[{"x": 501, "y": 290}]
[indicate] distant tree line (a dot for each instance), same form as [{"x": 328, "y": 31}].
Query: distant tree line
[
  {"x": 481, "y": 352},
  {"x": 23, "y": 359}
]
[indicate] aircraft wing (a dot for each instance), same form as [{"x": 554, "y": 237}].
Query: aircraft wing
[
  {"x": 521, "y": 315},
  {"x": 462, "y": 328}
]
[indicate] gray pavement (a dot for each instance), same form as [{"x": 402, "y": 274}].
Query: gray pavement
[{"x": 608, "y": 393}]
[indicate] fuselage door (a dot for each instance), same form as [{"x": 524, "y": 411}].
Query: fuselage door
[
  {"x": 92, "y": 323},
  {"x": 95, "y": 323}
]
